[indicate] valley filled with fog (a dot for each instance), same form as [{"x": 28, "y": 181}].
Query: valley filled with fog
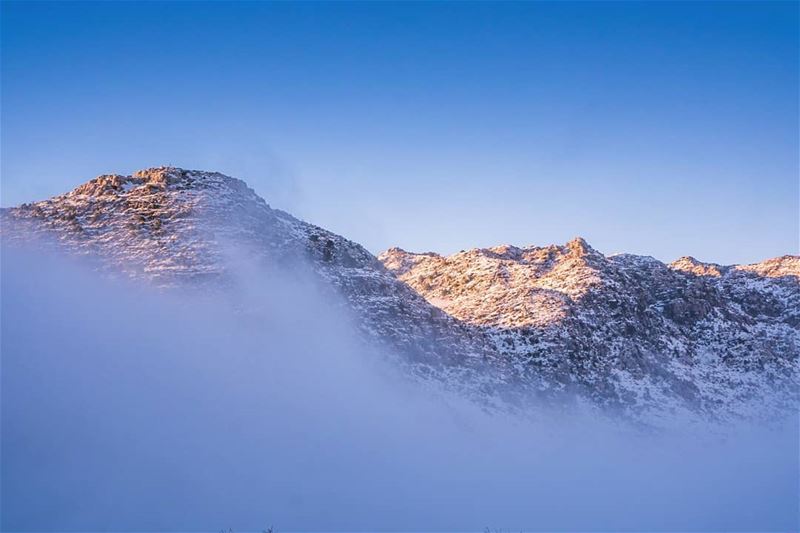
[{"x": 129, "y": 408}]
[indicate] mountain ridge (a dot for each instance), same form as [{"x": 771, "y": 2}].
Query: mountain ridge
[
  {"x": 624, "y": 332},
  {"x": 684, "y": 334}
]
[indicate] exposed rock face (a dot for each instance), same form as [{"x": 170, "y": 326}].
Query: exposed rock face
[{"x": 627, "y": 331}]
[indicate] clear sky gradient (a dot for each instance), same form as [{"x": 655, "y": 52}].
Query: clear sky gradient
[{"x": 652, "y": 128}]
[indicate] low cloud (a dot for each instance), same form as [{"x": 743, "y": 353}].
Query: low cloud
[{"x": 129, "y": 409}]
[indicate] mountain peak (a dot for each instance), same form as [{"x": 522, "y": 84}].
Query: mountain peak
[
  {"x": 395, "y": 250},
  {"x": 579, "y": 246},
  {"x": 397, "y": 260},
  {"x": 160, "y": 175},
  {"x": 691, "y": 265},
  {"x": 158, "y": 179},
  {"x": 777, "y": 267}
]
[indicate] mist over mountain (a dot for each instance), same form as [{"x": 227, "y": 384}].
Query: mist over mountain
[
  {"x": 129, "y": 408},
  {"x": 170, "y": 337},
  {"x": 626, "y": 334}
]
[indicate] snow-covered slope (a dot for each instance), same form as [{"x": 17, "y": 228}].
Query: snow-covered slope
[
  {"x": 175, "y": 227},
  {"x": 624, "y": 330}
]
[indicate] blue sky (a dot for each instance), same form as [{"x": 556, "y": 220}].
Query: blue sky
[{"x": 663, "y": 129}]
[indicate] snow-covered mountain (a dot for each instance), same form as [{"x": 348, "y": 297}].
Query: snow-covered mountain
[
  {"x": 628, "y": 331},
  {"x": 622, "y": 331},
  {"x": 176, "y": 228}
]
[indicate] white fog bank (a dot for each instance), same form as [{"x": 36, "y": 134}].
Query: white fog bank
[{"x": 125, "y": 409}]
